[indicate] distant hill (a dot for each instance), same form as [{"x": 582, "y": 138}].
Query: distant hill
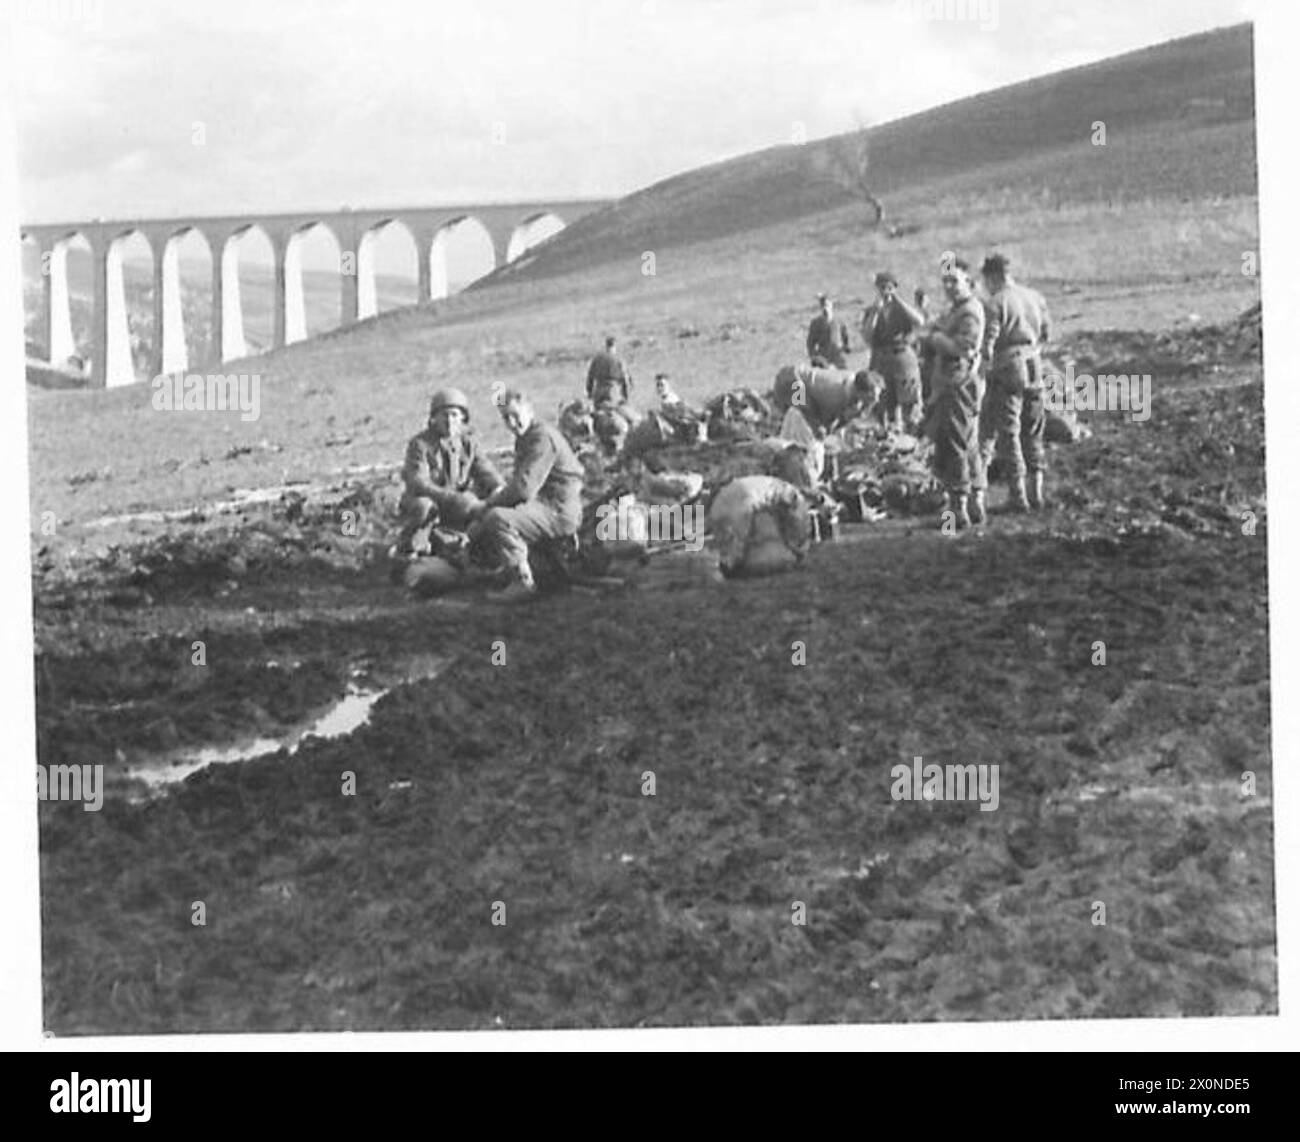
[{"x": 1179, "y": 122}]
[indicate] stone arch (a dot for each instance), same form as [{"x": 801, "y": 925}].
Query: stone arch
[
  {"x": 461, "y": 252},
  {"x": 314, "y": 287},
  {"x": 66, "y": 326},
  {"x": 125, "y": 278},
  {"x": 388, "y": 268},
  {"x": 35, "y": 335},
  {"x": 247, "y": 269},
  {"x": 532, "y": 231},
  {"x": 183, "y": 306}
]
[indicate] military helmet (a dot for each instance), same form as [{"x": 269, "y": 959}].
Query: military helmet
[{"x": 449, "y": 398}]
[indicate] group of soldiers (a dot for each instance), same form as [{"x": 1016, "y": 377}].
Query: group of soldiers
[
  {"x": 971, "y": 378},
  {"x": 456, "y": 504}
]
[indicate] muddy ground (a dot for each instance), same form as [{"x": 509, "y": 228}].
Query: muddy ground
[{"x": 522, "y": 783}]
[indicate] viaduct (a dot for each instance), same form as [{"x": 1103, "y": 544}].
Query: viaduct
[{"x": 354, "y": 230}]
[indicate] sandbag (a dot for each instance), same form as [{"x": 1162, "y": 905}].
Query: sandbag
[
  {"x": 431, "y": 576},
  {"x": 648, "y": 436},
  {"x": 798, "y": 432},
  {"x": 622, "y": 527},
  {"x": 760, "y": 526},
  {"x": 738, "y": 414},
  {"x": 670, "y": 487}
]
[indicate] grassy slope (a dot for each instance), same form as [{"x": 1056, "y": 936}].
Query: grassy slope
[
  {"x": 1155, "y": 104},
  {"x": 1152, "y": 227}
]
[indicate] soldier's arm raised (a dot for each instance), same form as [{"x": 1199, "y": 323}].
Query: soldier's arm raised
[
  {"x": 914, "y": 313},
  {"x": 870, "y": 317}
]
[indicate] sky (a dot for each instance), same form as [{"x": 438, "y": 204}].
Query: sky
[{"x": 155, "y": 108}]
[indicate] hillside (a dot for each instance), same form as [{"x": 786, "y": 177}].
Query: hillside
[{"x": 1179, "y": 119}]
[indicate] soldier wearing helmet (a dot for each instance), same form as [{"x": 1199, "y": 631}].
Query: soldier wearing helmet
[{"x": 446, "y": 475}]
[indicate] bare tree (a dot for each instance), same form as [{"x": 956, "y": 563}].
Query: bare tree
[{"x": 848, "y": 164}]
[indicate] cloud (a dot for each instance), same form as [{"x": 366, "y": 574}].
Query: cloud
[{"x": 313, "y": 104}]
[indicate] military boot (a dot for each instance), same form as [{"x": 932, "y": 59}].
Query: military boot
[
  {"x": 957, "y": 506},
  {"x": 1017, "y": 502},
  {"x": 977, "y": 512},
  {"x": 1035, "y": 491},
  {"x": 519, "y": 588}
]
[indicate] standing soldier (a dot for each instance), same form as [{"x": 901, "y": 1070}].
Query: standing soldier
[
  {"x": 1015, "y": 415},
  {"x": 828, "y": 338},
  {"x": 609, "y": 388},
  {"x": 889, "y": 328},
  {"x": 954, "y": 407},
  {"x": 543, "y": 499},
  {"x": 608, "y": 379},
  {"x": 447, "y": 477}
]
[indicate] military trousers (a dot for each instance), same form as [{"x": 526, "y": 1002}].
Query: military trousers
[
  {"x": 1014, "y": 418},
  {"x": 508, "y": 532},
  {"x": 955, "y": 428}
]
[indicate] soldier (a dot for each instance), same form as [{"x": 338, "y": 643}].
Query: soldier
[
  {"x": 954, "y": 408},
  {"x": 828, "y": 339},
  {"x": 826, "y": 397},
  {"x": 1015, "y": 415},
  {"x": 609, "y": 388},
  {"x": 889, "y": 327},
  {"x": 543, "y": 499},
  {"x": 447, "y": 476},
  {"x": 684, "y": 422}
]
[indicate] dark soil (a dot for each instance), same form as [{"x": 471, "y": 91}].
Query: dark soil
[{"x": 522, "y": 783}]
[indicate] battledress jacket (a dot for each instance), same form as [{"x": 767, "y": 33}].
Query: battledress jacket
[{"x": 441, "y": 468}]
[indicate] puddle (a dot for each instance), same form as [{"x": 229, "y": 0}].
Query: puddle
[
  {"x": 345, "y": 716},
  {"x": 1174, "y": 793},
  {"x": 349, "y": 713},
  {"x": 249, "y": 497}
]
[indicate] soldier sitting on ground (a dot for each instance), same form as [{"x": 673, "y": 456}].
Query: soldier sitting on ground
[
  {"x": 543, "y": 499},
  {"x": 686, "y": 423},
  {"x": 447, "y": 478}
]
